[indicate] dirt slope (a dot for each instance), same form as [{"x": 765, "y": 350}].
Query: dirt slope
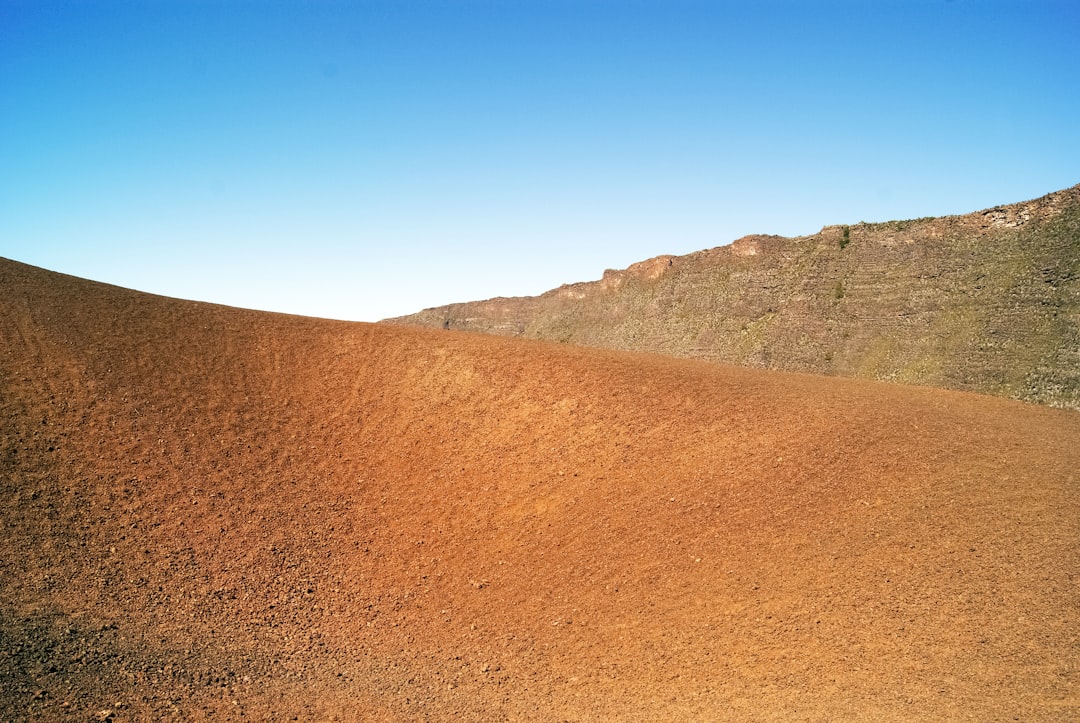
[
  {"x": 986, "y": 302},
  {"x": 216, "y": 513}
]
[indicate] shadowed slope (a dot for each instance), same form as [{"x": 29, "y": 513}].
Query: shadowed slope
[{"x": 211, "y": 510}]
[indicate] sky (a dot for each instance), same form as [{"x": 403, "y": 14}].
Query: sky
[{"x": 362, "y": 160}]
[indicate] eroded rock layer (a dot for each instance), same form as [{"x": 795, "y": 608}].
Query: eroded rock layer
[{"x": 987, "y": 302}]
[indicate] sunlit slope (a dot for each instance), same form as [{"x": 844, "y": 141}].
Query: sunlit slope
[{"x": 214, "y": 511}]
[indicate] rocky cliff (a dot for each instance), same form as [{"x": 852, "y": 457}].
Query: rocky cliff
[{"x": 986, "y": 302}]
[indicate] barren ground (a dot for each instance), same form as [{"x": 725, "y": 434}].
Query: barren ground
[{"x": 210, "y": 513}]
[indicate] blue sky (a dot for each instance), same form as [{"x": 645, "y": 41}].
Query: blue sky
[{"x": 360, "y": 160}]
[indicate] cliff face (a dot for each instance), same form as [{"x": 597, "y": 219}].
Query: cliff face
[{"x": 986, "y": 302}]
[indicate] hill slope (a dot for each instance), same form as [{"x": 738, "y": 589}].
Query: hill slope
[
  {"x": 987, "y": 302},
  {"x": 215, "y": 512}
]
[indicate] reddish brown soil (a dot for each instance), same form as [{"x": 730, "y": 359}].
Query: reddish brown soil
[{"x": 217, "y": 513}]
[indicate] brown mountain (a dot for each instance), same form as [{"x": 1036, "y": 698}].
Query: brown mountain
[
  {"x": 211, "y": 513},
  {"x": 987, "y": 302}
]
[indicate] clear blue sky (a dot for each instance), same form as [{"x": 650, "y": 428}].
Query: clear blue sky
[{"x": 361, "y": 160}]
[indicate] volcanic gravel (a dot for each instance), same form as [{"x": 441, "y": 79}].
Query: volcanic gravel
[{"x": 212, "y": 513}]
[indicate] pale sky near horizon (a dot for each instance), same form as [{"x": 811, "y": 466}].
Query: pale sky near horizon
[{"x": 361, "y": 160}]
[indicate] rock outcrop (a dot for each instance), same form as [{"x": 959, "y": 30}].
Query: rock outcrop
[{"x": 986, "y": 302}]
